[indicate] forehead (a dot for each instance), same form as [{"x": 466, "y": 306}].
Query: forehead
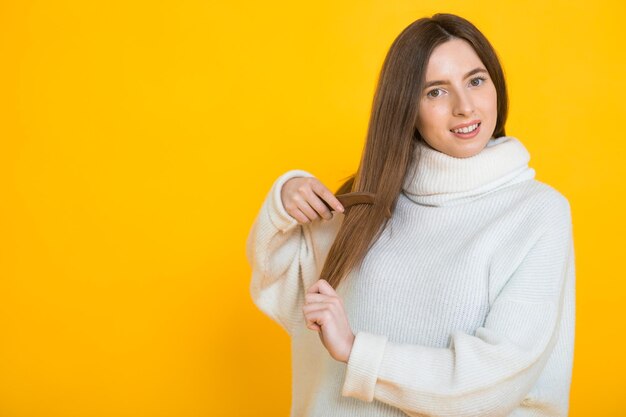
[{"x": 452, "y": 58}]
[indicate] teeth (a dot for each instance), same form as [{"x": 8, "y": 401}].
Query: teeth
[{"x": 466, "y": 129}]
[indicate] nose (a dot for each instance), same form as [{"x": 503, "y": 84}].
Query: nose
[{"x": 463, "y": 106}]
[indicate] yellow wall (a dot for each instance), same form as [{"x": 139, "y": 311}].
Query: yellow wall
[{"x": 138, "y": 139}]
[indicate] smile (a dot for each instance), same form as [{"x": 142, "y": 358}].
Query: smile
[{"x": 467, "y": 129}]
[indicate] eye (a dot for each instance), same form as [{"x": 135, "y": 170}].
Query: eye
[
  {"x": 481, "y": 79},
  {"x": 429, "y": 94}
]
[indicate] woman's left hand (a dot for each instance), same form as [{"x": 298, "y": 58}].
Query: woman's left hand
[{"x": 324, "y": 313}]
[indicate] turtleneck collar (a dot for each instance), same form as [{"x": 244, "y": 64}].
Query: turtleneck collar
[{"x": 437, "y": 179}]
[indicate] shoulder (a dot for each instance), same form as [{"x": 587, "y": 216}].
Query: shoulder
[
  {"x": 544, "y": 194},
  {"x": 531, "y": 208},
  {"x": 550, "y": 206}
]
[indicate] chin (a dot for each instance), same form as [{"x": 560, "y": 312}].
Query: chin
[
  {"x": 468, "y": 151},
  {"x": 467, "y": 155}
]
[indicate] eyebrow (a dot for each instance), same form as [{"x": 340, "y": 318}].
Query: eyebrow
[{"x": 443, "y": 82}]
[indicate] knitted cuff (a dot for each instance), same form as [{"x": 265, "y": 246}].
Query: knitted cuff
[
  {"x": 278, "y": 215},
  {"x": 363, "y": 366}
]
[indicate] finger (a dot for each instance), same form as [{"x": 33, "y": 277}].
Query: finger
[
  {"x": 321, "y": 208},
  {"x": 323, "y": 287},
  {"x": 297, "y": 214},
  {"x": 320, "y": 317},
  {"x": 313, "y": 288},
  {"x": 292, "y": 208},
  {"x": 306, "y": 208},
  {"x": 318, "y": 205},
  {"x": 315, "y": 298},
  {"x": 312, "y": 318},
  {"x": 334, "y": 305},
  {"x": 327, "y": 195},
  {"x": 309, "y": 308},
  {"x": 314, "y": 326}
]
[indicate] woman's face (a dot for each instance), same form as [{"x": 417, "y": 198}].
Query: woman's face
[{"x": 459, "y": 92}]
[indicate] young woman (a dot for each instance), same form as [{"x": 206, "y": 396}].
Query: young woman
[{"x": 453, "y": 293}]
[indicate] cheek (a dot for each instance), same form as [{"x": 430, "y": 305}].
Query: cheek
[
  {"x": 429, "y": 116},
  {"x": 490, "y": 101}
]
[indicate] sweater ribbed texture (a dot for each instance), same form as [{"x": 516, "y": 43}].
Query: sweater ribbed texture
[{"x": 465, "y": 305}]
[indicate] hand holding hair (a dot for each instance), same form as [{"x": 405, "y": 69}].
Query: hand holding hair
[
  {"x": 358, "y": 197},
  {"x": 324, "y": 313},
  {"x": 306, "y": 199}
]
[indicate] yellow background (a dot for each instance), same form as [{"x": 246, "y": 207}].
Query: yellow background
[{"x": 139, "y": 138}]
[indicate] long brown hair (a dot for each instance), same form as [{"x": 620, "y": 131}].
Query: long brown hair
[{"x": 392, "y": 136}]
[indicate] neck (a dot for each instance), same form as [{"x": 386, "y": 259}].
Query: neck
[{"x": 437, "y": 179}]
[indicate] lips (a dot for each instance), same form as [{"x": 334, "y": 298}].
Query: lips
[{"x": 473, "y": 122}]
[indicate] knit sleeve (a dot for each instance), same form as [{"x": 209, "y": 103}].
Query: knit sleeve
[
  {"x": 490, "y": 372},
  {"x": 285, "y": 256}
]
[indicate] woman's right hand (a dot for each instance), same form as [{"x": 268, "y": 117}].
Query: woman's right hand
[{"x": 303, "y": 198}]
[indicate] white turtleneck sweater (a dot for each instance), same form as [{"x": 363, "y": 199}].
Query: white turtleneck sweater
[{"x": 463, "y": 307}]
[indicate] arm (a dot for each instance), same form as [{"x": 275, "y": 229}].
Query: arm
[
  {"x": 286, "y": 257},
  {"x": 488, "y": 373}
]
